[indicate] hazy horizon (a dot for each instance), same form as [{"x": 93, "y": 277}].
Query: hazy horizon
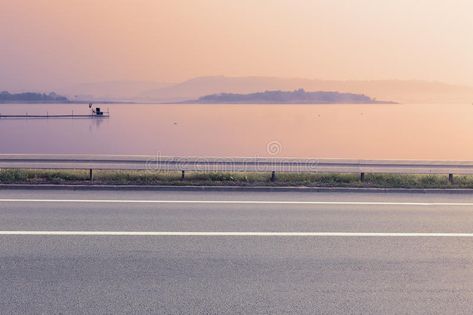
[
  {"x": 401, "y": 91},
  {"x": 54, "y": 44},
  {"x": 164, "y": 84}
]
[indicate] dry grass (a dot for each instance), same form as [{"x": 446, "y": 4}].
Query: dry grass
[{"x": 8, "y": 176}]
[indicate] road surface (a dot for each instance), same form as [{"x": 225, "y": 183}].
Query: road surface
[{"x": 92, "y": 252}]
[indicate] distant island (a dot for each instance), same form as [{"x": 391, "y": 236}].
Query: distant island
[
  {"x": 30, "y": 97},
  {"x": 299, "y": 96}
]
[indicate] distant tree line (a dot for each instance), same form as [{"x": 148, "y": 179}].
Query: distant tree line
[
  {"x": 6, "y": 97},
  {"x": 288, "y": 97}
]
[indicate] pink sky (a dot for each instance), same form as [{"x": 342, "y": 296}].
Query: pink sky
[{"x": 52, "y": 43}]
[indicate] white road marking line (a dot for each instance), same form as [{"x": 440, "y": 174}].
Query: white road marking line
[
  {"x": 238, "y": 202},
  {"x": 257, "y": 234}
]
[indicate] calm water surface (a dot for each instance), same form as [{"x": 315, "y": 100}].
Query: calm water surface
[{"x": 407, "y": 131}]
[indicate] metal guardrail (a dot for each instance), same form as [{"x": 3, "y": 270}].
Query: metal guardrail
[{"x": 160, "y": 163}]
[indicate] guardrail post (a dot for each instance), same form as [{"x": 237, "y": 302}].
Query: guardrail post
[
  {"x": 362, "y": 176},
  {"x": 91, "y": 175},
  {"x": 273, "y": 176},
  {"x": 183, "y": 175},
  {"x": 450, "y": 178}
]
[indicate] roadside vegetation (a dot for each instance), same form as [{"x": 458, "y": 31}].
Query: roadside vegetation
[{"x": 8, "y": 176}]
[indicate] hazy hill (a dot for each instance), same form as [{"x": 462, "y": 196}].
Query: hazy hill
[
  {"x": 110, "y": 90},
  {"x": 287, "y": 97},
  {"x": 148, "y": 91},
  {"x": 396, "y": 90}
]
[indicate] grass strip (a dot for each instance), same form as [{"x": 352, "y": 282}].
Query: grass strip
[{"x": 146, "y": 177}]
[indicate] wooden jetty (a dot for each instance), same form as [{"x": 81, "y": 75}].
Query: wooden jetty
[
  {"x": 105, "y": 115},
  {"x": 95, "y": 113}
]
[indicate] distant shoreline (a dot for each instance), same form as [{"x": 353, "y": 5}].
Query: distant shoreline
[
  {"x": 299, "y": 96},
  {"x": 193, "y": 102},
  {"x": 68, "y": 102},
  {"x": 275, "y": 97},
  {"x": 181, "y": 103},
  {"x": 43, "y": 98}
]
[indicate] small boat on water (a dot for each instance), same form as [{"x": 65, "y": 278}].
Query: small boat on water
[{"x": 95, "y": 113}]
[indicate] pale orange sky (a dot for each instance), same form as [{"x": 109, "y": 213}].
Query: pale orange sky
[{"x": 52, "y": 43}]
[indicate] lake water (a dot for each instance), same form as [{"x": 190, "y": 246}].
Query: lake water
[{"x": 407, "y": 131}]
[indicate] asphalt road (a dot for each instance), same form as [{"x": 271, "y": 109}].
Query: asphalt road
[{"x": 371, "y": 264}]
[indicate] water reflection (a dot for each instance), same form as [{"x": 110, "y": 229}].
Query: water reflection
[{"x": 320, "y": 131}]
